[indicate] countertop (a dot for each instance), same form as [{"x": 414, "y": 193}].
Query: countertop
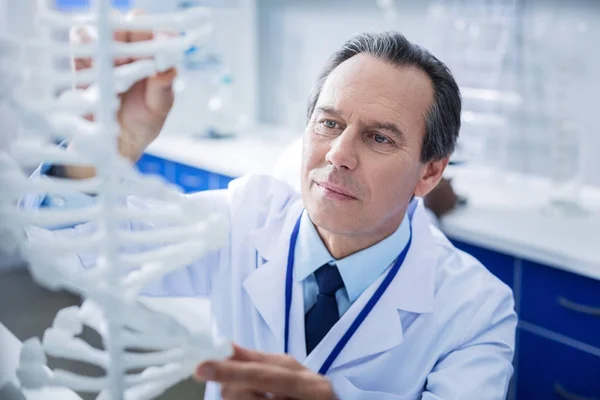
[
  {"x": 506, "y": 212},
  {"x": 510, "y": 213},
  {"x": 255, "y": 152}
]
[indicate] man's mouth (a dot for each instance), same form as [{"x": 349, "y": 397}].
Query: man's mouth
[{"x": 336, "y": 190}]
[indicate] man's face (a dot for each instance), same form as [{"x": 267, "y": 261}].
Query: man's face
[{"x": 361, "y": 154}]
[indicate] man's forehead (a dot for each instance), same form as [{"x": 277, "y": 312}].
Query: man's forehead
[
  {"x": 373, "y": 77},
  {"x": 367, "y": 86}
]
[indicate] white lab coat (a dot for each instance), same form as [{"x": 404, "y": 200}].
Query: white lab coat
[{"x": 444, "y": 328}]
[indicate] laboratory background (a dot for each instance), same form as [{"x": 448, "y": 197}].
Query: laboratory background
[{"x": 526, "y": 172}]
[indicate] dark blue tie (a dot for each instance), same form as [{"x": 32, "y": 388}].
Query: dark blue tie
[{"x": 324, "y": 314}]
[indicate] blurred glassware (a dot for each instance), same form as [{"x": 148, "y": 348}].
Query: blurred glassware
[
  {"x": 389, "y": 9},
  {"x": 224, "y": 120},
  {"x": 567, "y": 63},
  {"x": 477, "y": 40}
]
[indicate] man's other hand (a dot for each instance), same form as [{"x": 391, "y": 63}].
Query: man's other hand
[
  {"x": 442, "y": 199},
  {"x": 250, "y": 374}
]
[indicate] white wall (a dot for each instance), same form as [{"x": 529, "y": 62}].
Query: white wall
[{"x": 297, "y": 36}]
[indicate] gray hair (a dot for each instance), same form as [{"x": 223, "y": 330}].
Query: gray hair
[{"x": 442, "y": 122}]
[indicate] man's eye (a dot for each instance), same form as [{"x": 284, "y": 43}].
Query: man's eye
[
  {"x": 329, "y": 124},
  {"x": 381, "y": 139}
]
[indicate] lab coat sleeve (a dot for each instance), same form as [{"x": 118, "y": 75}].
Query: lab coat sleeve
[{"x": 481, "y": 367}]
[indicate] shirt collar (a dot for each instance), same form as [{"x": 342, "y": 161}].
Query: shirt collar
[{"x": 358, "y": 270}]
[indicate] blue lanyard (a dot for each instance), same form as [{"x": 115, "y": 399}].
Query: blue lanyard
[{"x": 361, "y": 316}]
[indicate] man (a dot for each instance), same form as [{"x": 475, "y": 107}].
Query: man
[{"x": 349, "y": 279}]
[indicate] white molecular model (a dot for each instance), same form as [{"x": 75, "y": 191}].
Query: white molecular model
[{"x": 171, "y": 351}]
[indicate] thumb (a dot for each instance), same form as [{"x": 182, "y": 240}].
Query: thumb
[
  {"x": 164, "y": 79},
  {"x": 159, "y": 91},
  {"x": 159, "y": 87}
]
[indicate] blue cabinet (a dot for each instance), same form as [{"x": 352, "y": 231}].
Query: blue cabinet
[
  {"x": 84, "y": 5},
  {"x": 552, "y": 370},
  {"x": 192, "y": 179},
  {"x": 151, "y": 165},
  {"x": 501, "y": 265},
  {"x": 558, "y": 338},
  {"x": 562, "y": 302},
  {"x": 189, "y": 179},
  {"x": 224, "y": 181}
]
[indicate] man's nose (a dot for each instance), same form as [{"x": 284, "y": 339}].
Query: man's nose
[{"x": 343, "y": 151}]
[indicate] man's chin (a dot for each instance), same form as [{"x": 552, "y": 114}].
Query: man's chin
[{"x": 332, "y": 217}]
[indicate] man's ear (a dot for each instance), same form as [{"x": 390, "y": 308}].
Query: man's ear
[{"x": 430, "y": 176}]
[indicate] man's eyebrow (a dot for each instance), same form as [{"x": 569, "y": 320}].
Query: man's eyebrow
[
  {"x": 330, "y": 110},
  {"x": 390, "y": 128}
]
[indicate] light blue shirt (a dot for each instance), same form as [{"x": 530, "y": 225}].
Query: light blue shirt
[
  {"x": 358, "y": 270},
  {"x": 70, "y": 201}
]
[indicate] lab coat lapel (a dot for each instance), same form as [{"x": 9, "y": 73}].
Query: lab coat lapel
[
  {"x": 367, "y": 339},
  {"x": 266, "y": 284},
  {"x": 412, "y": 290}
]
